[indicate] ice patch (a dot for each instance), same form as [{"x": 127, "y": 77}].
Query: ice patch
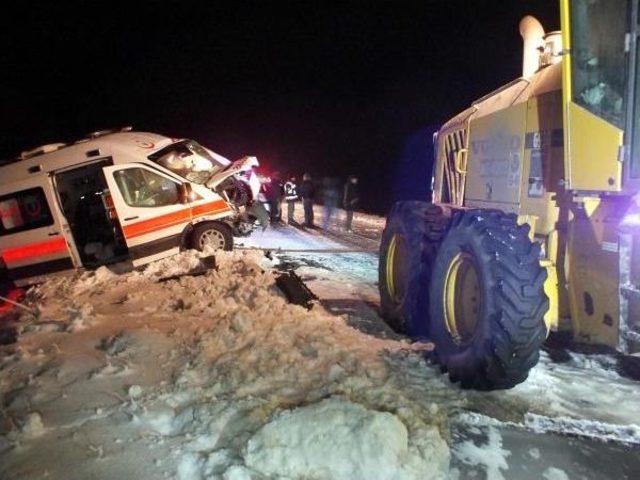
[
  {"x": 535, "y": 453},
  {"x": 567, "y": 390},
  {"x": 336, "y": 439},
  {"x": 553, "y": 473},
  {"x": 490, "y": 455}
]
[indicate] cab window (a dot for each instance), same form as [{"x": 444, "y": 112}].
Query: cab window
[
  {"x": 599, "y": 59},
  {"x": 24, "y": 210},
  {"x": 143, "y": 188}
]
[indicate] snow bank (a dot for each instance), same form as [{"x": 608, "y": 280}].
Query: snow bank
[{"x": 338, "y": 440}]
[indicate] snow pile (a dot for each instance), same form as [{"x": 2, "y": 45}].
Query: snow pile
[
  {"x": 157, "y": 373},
  {"x": 90, "y": 280},
  {"x": 261, "y": 354},
  {"x": 192, "y": 376},
  {"x": 339, "y": 440}
]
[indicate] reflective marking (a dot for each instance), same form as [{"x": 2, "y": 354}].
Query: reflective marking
[
  {"x": 48, "y": 247},
  {"x": 175, "y": 218}
]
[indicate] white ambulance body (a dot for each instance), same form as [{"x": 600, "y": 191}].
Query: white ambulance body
[{"x": 106, "y": 199}]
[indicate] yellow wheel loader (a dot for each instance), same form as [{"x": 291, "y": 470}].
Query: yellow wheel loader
[{"x": 534, "y": 226}]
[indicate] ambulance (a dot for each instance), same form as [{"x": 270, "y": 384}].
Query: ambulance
[{"x": 118, "y": 196}]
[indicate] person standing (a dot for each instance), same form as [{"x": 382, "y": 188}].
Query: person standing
[
  {"x": 307, "y": 193},
  {"x": 276, "y": 192},
  {"x": 291, "y": 196},
  {"x": 330, "y": 198},
  {"x": 350, "y": 199}
]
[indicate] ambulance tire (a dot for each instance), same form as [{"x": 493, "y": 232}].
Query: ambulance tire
[{"x": 216, "y": 234}]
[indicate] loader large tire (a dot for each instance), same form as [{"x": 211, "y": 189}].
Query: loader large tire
[
  {"x": 487, "y": 301},
  {"x": 408, "y": 248}
]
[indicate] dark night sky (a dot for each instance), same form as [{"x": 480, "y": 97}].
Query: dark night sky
[{"x": 332, "y": 88}]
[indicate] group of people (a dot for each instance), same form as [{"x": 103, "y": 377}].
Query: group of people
[{"x": 306, "y": 192}]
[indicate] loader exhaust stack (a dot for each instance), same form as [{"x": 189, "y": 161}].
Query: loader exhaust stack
[{"x": 533, "y": 37}]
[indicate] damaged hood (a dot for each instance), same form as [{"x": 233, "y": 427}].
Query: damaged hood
[{"x": 242, "y": 165}]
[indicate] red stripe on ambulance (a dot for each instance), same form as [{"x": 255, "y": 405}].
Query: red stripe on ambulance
[{"x": 23, "y": 252}]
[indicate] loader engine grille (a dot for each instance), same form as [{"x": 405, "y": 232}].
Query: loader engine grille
[{"x": 454, "y": 166}]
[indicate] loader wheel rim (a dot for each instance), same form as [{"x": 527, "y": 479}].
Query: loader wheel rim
[
  {"x": 396, "y": 268},
  {"x": 212, "y": 238},
  {"x": 462, "y": 298}
]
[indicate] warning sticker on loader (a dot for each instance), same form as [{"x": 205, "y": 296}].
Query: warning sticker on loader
[{"x": 536, "y": 184}]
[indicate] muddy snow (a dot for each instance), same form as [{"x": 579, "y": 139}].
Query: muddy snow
[{"x": 161, "y": 374}]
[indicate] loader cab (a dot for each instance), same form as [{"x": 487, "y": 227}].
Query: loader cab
[{"x": 600, "y": 95}]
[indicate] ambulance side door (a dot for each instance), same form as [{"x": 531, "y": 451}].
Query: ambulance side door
[
  {"x": 32, "y": 242},
  {"x": 151, "y": 211}
]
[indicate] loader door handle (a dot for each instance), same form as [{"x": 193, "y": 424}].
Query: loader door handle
[
  {"x": 130, "y": 218},
  {"x": 460, "y": 161}
]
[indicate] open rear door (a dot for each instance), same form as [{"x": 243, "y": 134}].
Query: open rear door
[
  {"x": 32, "y": 241},
  {"x": 150, "y": 209}
]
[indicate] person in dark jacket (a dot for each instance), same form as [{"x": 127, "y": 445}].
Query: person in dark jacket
[
  {"x": 291, "y": 196},
  {"x": 330, "y": 198},
  {"x": 350, "y": 199},
  {"x": 307, "y": 192},
  {"x": 275, "y": 194}
]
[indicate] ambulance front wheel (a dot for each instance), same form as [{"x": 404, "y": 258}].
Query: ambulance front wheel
[{"x": 212, "y": 235}]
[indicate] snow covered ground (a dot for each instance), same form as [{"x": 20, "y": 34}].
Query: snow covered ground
[{"x": 148, "y": 375}]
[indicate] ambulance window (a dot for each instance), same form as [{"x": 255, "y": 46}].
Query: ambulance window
[
  {"x": 24, "y": 210},
  {"x": 143, "y": 188}
]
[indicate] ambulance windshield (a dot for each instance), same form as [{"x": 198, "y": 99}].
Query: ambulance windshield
[{"x": 190, "y": 160}]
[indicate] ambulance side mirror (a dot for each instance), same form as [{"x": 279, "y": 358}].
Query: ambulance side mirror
[{"x": 185, "y": 192}]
